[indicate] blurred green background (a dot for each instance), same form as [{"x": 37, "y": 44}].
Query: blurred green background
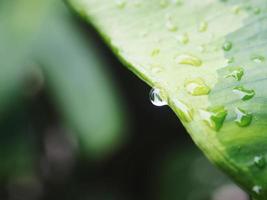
[{"x": 76, "y": 124}]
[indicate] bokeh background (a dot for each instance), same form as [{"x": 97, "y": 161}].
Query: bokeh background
[{"x": 76, "y": 124}]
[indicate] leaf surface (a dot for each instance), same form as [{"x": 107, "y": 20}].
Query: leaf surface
[{"x": 208, "y": 60}]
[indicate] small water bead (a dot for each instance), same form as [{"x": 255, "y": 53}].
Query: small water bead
[
  {"x": 184, "y": 112},
  {"x": 197, "y": 87},
  {"x": 214, "y": 117},
  {"x": 243, "y": 93},
  {"x": 188, "y": 59},
  {"x": 257, "y": 189},
  {"x": 258, "y": 59},
  {"x": 203, "y": 26},
  {"x": 259, "y": 161},
  {"x": 155, "y": 97},
  {"x": 236, "y": 73},
  {"x": 243, "y": 118},
  {"x": 227, "y": 46},
  {"x": 183, "y": 38}
]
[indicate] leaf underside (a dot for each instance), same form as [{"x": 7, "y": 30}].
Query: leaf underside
[{"x": 207, "y": 59}]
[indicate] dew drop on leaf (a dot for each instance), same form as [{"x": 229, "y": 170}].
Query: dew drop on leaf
[
  {"x": 197, "y": 87},
  {"x": 188, "y": 59},
  {"x": 214, "y": 117},
  {"x": 155, "y": 97},
  {"x": 243, "y": 93},
  {"x": 227, "y": 46},
  {"x": 243, "y": 118},
  {"x": 236, "y": 73}
]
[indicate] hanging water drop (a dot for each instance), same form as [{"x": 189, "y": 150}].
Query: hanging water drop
[
  {"x": 197, "y": 87},
  {"x": 243, "y": 93},
  {"x": 243, "y": 118},
  {"x": 155, "y": 97},
  {"x": 187, "y": 59},
  {"x": 214, "y": 117}
]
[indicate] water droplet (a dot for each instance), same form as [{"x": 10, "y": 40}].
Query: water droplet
[
  {"x": 258, "y": 59},
  {"x": 120, "y": 3},
  {"x": 155, "y": 97},
  {"x": 243, "y": 118},
  {"x": 259, "y": 161},
  {"x": 214, "y": 117},
  {"x": 184, "y": 112},
  {"x": 244, "y": 94},
  {"x": 257, "y": 189},
  {"x": 155, "y": 52},
  {"x": 187, "y": 59},
  {"x": 236, "y": 73},
  {"x": 197, "y": 87},
  {"x": 183, "y": 38},
  {"x": 203, "y": 26},
  {"x": 227, "y": 46}
]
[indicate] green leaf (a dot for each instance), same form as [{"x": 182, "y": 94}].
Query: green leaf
[
  {"x": 79, "y": 85},
  {"x": 170, "y": 42},
  {"x": 18, "y": 23}
]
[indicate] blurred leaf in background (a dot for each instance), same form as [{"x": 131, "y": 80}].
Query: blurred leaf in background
[{"x": 43, "y": 50}]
